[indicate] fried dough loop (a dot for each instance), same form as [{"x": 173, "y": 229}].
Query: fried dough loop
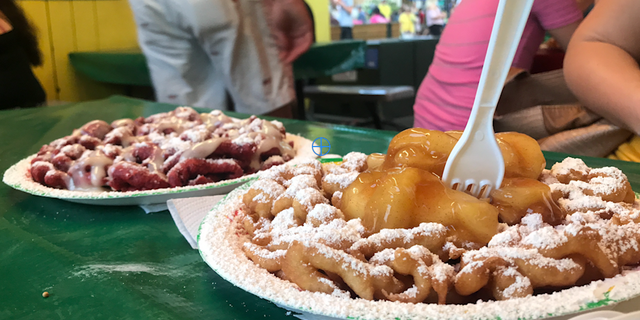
[
  {"x": 427, "y": 270},
  {"x": 261, "y": 196},
  {"x": 431, "y": 236},
  {"x": 303, "y": 261},
  {"x": 384, "y": 227}
]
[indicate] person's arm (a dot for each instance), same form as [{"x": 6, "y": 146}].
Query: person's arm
[
  {"x": 513, "y": 73},
  {"x": 347, "y": 8},
  {"x": 563, "y": 34},
  {"x": 292, "y": 28},
  {"x": 560, "y": 18},
  {"x": 5, "y": 26},
  {"x": 601, "y": 65},
  {"x": 583, "y": 5}
]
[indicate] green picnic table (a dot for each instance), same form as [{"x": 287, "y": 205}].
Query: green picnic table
[
  {"x": 100, "y": 262},
  {"x": 129, "y": 67}
]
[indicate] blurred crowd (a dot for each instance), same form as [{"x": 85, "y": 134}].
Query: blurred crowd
[{"x": 427, "y": 20}]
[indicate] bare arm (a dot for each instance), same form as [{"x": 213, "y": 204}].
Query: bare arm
[
  {"x": 5, "y": 26},
  {"x": 583, "y": 5},
  {"x": 292, "y": 27},
  {"x": 563, "y": 35},
  {"x": 344, "y": 6},
  {"x": 601, "y": 66}
]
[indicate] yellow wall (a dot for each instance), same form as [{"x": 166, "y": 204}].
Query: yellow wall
[
  {"x": 66, "y": 26},
  {"x": 321, "y": 18}
]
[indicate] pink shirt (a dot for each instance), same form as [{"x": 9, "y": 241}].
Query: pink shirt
[
  {"x": 377, "y": 18},
  {"x": 446, "y": 95}
]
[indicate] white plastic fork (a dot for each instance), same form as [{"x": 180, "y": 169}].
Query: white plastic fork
[{"x": 475, "y": 164}]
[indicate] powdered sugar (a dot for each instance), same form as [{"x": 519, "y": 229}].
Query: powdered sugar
[
  {"x": 323, "y": 214},
  {"x": 532, "y": 233},
  {"x": 343, "y": 179},
  {"x": 407, "y": 235},
  {"x": 269, "y": 187},
  {"x": 506, "y": 238},
  {"x": 382, "y": 257},
  {"x": 337, "y": 233},
  {"x": 533, "y": 221},
  {"x": 570, "y": 165},
  {"x": 300, "y": 182},
  {"x": 520, "y": 284},
  {"x": 354, "y": 161},
  {"x": 309, "y": 197},
  {"x": 285, "y": 219},
  {"x": 547, "y": 178},
  {"x": 348, "y": 261},
  {"x": 219, "y": 247},
  {"x": 442, "y": 271},
  {"x": 532, "y": 256},
  {"x": 545, "y": 238},
  {"x": 264, "y": 253}
]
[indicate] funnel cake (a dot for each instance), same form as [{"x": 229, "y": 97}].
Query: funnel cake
[
  {"x": 385, "y": 227},
  {"x": 166, "y": 150}
]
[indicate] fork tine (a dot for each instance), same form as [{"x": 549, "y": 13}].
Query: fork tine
[
  {"x": 471, "y": 187},
  {"x": 455, "y": 184},
  {"x": 485, "y": 189}
]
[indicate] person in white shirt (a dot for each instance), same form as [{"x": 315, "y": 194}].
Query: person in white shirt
[
  {"x": 198, "y": 49},
  {"x": 435, "y": 18},
  {"x": 344, "y": 9}
]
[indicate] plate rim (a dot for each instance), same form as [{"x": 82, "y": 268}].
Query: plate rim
[{"x": 216, "y": 218}]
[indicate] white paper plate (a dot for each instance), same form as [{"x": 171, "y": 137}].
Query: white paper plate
[
  {"x": 18, "y": 178},
  {"x": 220, "y": 247}
]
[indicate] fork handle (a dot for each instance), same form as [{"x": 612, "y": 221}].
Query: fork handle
[
  {"x": 511, "y": 17},
  {"x": 482, "y": 124}
]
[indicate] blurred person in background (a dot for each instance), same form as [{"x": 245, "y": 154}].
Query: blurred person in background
[
  {"x": 377, "y": 17},
  {"x": 18, "y": 53},
  {"x": 197, "y": 50},
  {"x": 422, "y": 18},
  {"x": 407, "y": 20},
  {"x": 434, "y": 18},
  {"x": 385, "y": 9},
  {"x": 395, "y": 16},
  {"x": 445, "y": 97},
  {"x": 358, "y": 16},
  {"x": 344, "y": 8}
]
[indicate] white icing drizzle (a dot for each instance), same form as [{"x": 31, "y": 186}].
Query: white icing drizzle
[
  {"x": 202, "y": 149},
  {"x": 173, "y": 136},
  {"x": 93, "y": 179}
]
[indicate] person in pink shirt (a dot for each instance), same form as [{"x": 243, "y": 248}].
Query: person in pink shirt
[
  {"x": 445, "y": 97},
  {"x": 377, "y": 17}
]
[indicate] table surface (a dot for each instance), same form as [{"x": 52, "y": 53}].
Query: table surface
[
  {"x": 118, "y": 262},
  {"x": 129, "y": 66}
]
